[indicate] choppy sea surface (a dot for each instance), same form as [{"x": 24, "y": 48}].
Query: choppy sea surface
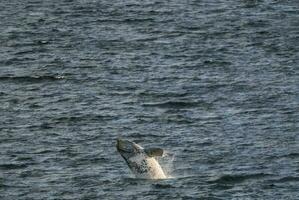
[{"x": 213, "y": 82}]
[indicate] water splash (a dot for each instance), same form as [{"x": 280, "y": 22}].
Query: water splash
[{"x": 167, "y": 163}]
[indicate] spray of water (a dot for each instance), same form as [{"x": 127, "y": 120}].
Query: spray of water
[{"x": 167, "y": 163}]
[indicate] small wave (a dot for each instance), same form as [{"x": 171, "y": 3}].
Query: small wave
[
  {"x": 12, "y": 166},
  {"x": 30, "y": 79},
  {"x": 162, "y": 186},
  {"x": 86, "y": 117},
  {"x": 173, "y": 104},
  {"x": 293, "y": 155},
  {"x": 226, "y": 179},
  {"x": 145, "y": 135},
  {"x": 136, "y": 20},
  {"x": 287, "y": 179},
  {"x": 162, "y": 94}
]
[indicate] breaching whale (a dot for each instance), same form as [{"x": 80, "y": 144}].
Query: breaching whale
[{"x": 141, "y": 161}]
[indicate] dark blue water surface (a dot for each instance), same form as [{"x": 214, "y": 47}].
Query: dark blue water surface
[{"x": 214, "y": 82}]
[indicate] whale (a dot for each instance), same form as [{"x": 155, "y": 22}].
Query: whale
[{"x": 142, "y": 162}]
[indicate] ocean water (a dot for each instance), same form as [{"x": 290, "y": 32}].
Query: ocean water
[{"x": 213, "y": 82}]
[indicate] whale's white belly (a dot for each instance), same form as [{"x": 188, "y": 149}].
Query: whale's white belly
[{"x": 148, "y": 168}]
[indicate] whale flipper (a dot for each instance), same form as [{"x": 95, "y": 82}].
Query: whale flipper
[{"x": 152, "y": 152}]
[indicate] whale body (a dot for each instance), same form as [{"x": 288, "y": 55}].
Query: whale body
[{"x": 141, "y": 161}]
